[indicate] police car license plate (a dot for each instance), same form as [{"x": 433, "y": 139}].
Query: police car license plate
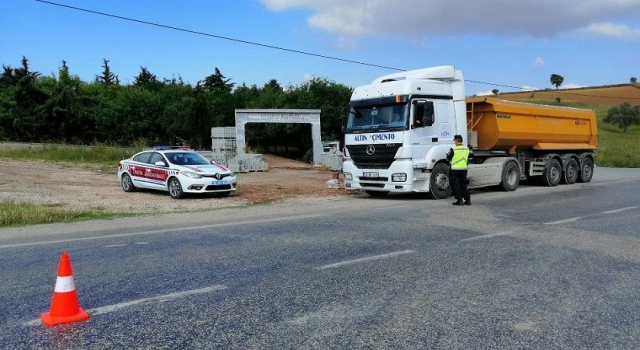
[
  {"x": 218, "y": 182},
  {"x": 369, "y": 174}
]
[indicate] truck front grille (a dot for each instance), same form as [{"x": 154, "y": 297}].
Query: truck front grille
[{"x": 381, "y": 158}]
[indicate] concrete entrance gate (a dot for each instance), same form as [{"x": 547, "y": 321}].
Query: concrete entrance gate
[{"x": 308, "y": 116}]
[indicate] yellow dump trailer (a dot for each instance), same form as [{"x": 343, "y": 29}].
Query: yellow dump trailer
[
  {"x": 507, "y": 125},
  {"x": 554, "y": 144}
]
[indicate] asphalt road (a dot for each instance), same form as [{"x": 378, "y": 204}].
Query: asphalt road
[{"x": 539, "y": 268}]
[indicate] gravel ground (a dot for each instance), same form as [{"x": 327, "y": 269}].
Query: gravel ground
[{"x": 72, "y": 186}]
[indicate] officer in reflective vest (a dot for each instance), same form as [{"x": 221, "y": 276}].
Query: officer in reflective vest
[{"x": 458, "y": 157}]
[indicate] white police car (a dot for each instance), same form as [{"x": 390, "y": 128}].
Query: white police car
[{"x": 177, "y": 171}]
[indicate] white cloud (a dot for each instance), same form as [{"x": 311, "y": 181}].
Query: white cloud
[
  {"x": 539, "y": 62},
  {"x": 416, "y": 19},
  {"x": 484, "y": 93},
  {"x": 612, "y": 30},
  {"x": 571, "y": 86},
  {"x": 525, "y": 88}
]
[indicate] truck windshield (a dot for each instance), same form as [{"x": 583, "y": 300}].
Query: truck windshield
[{"x": 363, "y": 119}]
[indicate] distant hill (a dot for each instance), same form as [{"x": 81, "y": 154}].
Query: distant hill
[{"x": 610, "y": 95}]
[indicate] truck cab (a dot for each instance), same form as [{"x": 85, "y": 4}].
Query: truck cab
[{"x": 399, "y": 129}]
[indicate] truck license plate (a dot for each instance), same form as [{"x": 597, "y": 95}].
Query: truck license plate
[{"x": 369, "y": 174}]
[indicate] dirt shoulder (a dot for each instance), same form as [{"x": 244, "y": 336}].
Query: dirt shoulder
[{"x": 71, "y": 186}]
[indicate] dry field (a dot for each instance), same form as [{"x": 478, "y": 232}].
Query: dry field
[
  {"x": 593, "y": 96},
  {"x": 73, "y": 187}
]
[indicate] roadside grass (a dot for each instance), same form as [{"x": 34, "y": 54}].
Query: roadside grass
[
  {"x": 20, "y": 214},
  {"x": 95, "y": 157},
  {"x": 617, "y": 149}
]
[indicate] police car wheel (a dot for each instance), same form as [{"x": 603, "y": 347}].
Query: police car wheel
[
  {"x": 175, "y": 189},
  {"x": 127, "y": 183}
]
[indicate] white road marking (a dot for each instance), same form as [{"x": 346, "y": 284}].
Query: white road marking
[
  {"x": 159, "y": 299},
  {"x": 370, "y": 258},
  {"x": 115, "y": 245},
  {"x": 618, "y": 210},
  {"x": 563, "y": 221},
  {"x": 492, "y": 235},
  {"x": 581, "y": 217}
]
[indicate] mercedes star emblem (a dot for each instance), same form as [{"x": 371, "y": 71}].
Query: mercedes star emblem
[{"x": 371, "y": 150}]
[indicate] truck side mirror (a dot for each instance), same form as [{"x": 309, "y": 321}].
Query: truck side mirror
[{"x": 429, "y": 117}]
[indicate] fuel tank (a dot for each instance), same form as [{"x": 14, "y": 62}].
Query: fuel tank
[{"x": 503, "y": 125}]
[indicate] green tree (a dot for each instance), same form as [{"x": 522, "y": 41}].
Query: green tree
[
  {"x": 178, "y": 100},
  {"x": 633, "y": 80},
  {"x": 147, "y": 80},
  {"x": 495, "y": 91},
  {"x": 556, "y": 80},
  {"x": 217, "y": 82},
  {"x": 21, "y": 117},
  {"x": 107, "y": 77},
  {"x": 624, "y": 116},
  {"x": 218, "y": 89},
  {"x": 246, "y": 97},
  {"x": 69, "y": 112}
]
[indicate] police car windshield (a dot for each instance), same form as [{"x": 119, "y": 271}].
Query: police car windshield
[
  {"x": 187, "y": 158},
  {"x": 377, "y": 118}
]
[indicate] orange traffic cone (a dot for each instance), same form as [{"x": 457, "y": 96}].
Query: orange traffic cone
[{"x": 64, "y": 305}]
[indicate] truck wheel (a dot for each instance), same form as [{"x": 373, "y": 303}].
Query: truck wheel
[
  {"x": 570, "y": 175},
  {"x": 586, "y": 171},
  {"x": 510, "y": 176},
  {"x": 553, "y": 173},
  {"x": 439, "y": 182}
]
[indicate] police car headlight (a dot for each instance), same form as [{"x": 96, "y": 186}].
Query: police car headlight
[
  {"x": 399, "y": 177},
  {"x": 347, "y": 176},
  {"x": 191, "y": 174}
]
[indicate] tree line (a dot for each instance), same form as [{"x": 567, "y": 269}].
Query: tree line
[
  {"x": 151, "y": 111},
  {"x": 63, "y": 108}
]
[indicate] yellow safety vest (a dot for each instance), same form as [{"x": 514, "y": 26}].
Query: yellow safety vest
[{"x": 460, "y": 157}]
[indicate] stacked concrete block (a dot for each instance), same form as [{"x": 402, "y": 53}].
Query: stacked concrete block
[
  {"x": 224, "y": 151},
  {"x": 244, "y": 163},
  {"x": 332, "y": 161},
  {"x": 223, "y": 144}
]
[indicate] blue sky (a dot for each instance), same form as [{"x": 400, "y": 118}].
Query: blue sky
[{"x": 515, "y": 44}]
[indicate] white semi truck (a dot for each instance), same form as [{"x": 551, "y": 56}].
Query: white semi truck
[{"x": 400, "y": 127}]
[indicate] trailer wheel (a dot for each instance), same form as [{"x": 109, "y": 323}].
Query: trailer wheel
[
  {"x": 553, "y": 173},
  {"x": 510, "y": 176},
  {"x": 586, "y": 171},
  {"x": 439, "y": 185},
  {"x": 571, "y": 171},
  {"x": 377, "y": 193}
]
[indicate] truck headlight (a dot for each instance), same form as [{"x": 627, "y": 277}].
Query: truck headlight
[
  {"x": 399, "y": 177},
  {"x": 347, "y": 176}
]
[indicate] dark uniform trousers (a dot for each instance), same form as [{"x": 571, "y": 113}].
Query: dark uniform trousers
[{"x": 459, "y": 184}]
